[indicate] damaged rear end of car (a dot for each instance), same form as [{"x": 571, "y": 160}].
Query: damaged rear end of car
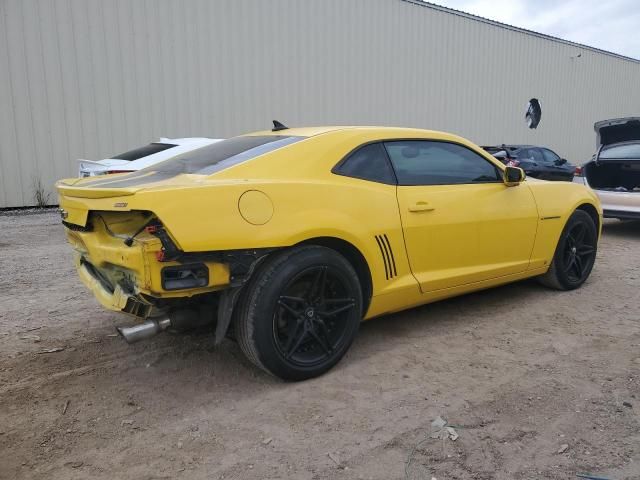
[
  {"x": 131, "y": 264},
  {"x": 135, "y": 263}
]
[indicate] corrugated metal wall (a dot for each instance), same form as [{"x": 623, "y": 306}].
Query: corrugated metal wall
[{"x": 90, "y": 78}]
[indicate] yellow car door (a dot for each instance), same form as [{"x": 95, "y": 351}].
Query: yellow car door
[{"x": 461, "y": 223}]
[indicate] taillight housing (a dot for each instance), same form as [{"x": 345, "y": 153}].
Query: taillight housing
[
  {"x": 109, "y": 172},
  {"x": 169, "y": 249},
  {"x": 578, "y": 172},
  {"x": 185, "y": 276}
]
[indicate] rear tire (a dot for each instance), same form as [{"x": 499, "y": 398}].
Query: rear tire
[
  {"x": 300, "y": 313},
  {"x": 575, "y": 254}
]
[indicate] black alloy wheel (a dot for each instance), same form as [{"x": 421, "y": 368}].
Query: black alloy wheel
[
  {"x": 312, "y": 316},
  {"x": 575, "y": 253},
  {"x": 579, "y": 252},
  {"x": 300, "y": 312}
]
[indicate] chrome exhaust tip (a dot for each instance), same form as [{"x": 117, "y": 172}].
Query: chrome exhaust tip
[{"x": 145, "y": 330}]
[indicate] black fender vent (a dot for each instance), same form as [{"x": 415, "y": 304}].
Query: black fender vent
[{"x": 387, "y": 256}]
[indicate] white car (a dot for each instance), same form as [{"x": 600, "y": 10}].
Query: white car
[
  {"x": 614, "y": 171},
  {"x": 142, "y": 157}
]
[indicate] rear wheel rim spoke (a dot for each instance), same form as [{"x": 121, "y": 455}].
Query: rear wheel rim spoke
[
  {"x": 284, "y": 303},
  {"x": 288, "y": 298},
  {"x": 297, "y": 343},
  {"x": 313, "y": 316},
  {"x": 335, "y": 311},
  {"x": 323, "y": 331},
  {"x": 333, "y": 301},
  {"x": 321, "y": 341},
  {"x": 317, "y": 287}
]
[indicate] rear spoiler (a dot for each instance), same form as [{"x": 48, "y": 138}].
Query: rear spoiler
[
  {"x": 90, "y": 162},
  {"x": 75, "y": 188}
]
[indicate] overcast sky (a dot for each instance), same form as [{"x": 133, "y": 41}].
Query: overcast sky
[{"x": 612, "y": 25}]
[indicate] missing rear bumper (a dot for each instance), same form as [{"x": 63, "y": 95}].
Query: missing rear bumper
[{"x": 111, "y": 297}]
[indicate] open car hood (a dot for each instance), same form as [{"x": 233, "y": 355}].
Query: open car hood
[{"x": 617, "y": 130}]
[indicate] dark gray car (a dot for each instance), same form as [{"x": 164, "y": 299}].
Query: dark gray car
[{"x": 537, "y": 162}]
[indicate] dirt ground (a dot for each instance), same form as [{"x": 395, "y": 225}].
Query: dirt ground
[{"x": 522, "y": 372}]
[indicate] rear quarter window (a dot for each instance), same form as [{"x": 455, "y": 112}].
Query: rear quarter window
[
  {"x": 368, "y": 162},
  {"x": 141, "y": 152}
]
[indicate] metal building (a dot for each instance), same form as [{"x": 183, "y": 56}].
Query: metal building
[{"x": 90, "y": 78}]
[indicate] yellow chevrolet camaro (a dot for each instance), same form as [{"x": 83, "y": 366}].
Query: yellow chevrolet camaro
[{"x": 286, "y": 239}]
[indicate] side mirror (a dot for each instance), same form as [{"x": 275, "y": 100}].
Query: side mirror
[
  {"x": 562, "y": 161},
  {"x": 513, "y": 176}
]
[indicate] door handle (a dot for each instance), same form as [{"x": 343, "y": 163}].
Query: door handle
[{"x": 420, "y": 206}]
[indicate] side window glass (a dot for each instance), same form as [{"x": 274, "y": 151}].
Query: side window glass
[
  {"x": 368, "y": 163},
  {"x": 423, "y": 162},
  {"x": 536, "y": 155},
  {"x": 549, "y": 156},
  {"x": 523, "y": 155}
]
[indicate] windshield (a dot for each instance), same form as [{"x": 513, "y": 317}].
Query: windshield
[
  {"x": 621, "y": 151},
  {"x": 224, "y": 154}
]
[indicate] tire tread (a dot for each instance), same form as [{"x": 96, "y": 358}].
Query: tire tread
[
  {"x": 551, "y": 278},
  {"x": 244, "y": 317}
]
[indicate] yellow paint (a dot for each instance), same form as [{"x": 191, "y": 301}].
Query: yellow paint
[
  {"x": 105, "y": 250},
  {"x": 255, "y": 207},
  {"x": 473, "y": 232},
  {"x": 446, "y": 239}
]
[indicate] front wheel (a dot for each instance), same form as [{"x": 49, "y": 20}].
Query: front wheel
[
  {"x": 300, "y": 312},
  {"x": 575, "y": 253}
]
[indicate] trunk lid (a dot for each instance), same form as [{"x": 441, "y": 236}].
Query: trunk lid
[
  {"x": 79, "y": 196},
  {"x": 124, "y": 184},
  {"x": 617, "y": 130},
  {"x": 83, "y": 192}
]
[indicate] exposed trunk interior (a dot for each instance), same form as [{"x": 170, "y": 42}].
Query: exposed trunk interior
[{"x": 614, "y": 175}]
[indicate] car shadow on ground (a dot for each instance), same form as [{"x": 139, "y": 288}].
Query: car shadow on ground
[
  {"x": 386, "y": 332},
  {"x": 190, "y": 362},
  {"x": 457, "y": 313},
  {"x": 625, "y": 229}
]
